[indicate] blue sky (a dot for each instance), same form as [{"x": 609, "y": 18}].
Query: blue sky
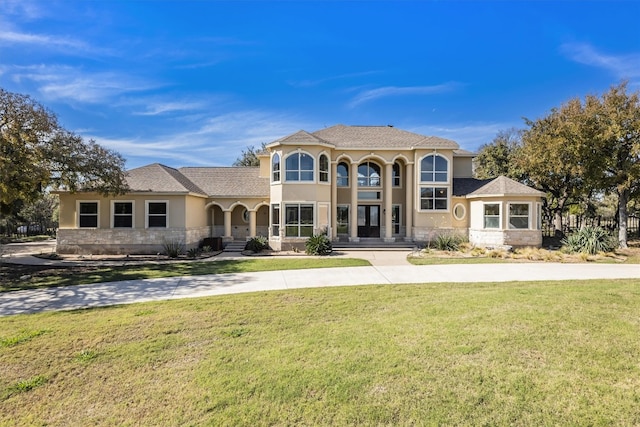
[{"x": 190, "y": 83}]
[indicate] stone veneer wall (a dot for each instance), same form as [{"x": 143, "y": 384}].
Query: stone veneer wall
[
  {"x": 424, "y": 234},
  {"x": 506, "y": 237},
  {"x": 125, "y": 241}
]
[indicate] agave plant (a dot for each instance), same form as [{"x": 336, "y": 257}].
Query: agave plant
[{"x": 590, "y": 240}]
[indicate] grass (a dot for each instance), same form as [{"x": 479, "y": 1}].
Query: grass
[
  {"x": 555, "y": 353},
  {"x": 41, "y": 277}
]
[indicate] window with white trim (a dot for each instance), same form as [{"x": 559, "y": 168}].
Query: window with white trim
[
  {"x": 343, "y": 175},
  {"x": 519, "y": 215},
  {"x": 342, "y": 219},
  {"x": 396, "y": 174},
  {"x": 434, "y": 168},
  {"x": 88, "y": 214},
  {"x": 491, "y": 215},
  {"x": 368, "y": 175},
  {"x": 122, "y": 214},
  {"x": 275, "y": 167},
  {"x": 275, "y": 220},
  {"x": 434, "y": 198},
  {"x": 299, "y": 167},
  {"x": 298, "y": 220},
  {"x": 157, "y": 214},
  {"x": 323, "y": 166}
]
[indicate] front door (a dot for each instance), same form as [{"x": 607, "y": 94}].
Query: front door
[{"x": 368, "y": 220}]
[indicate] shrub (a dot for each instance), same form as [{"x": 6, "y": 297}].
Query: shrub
[
  {"x": 448, "y": 242},
  {"x": 318, "y": 244},
  {"x": 257, "y": 244},
  {"x": 207, "y": 249},
  {"x": 173, "y": 248},
  {"x": 590, "y": 240},
  {"x": 194, "y": 252}
]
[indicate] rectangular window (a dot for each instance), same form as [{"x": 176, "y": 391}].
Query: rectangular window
[
  {"x": 157, "y": 214},
  {"x": 122, "y": 214},
  {"x": 299, "y": 220},
  {"x": 275, "y": 220},
  {"x": 343, "y": 219},
  {"x": 368, "y": 195},
  {"x": 492, "y": 215},
  {"x": 88, "y": 215},
  {"x": 519, "y": 215},
  {"x": 433, "y": 198},
  {"x": 395, "y": 218}
]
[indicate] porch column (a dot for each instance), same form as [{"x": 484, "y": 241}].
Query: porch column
[
  {"x": 409, "y": 191},
  {"x": 227, "y": 225},
  {"x": 353, "y": 213},
  {"x": 333, "y": 209},
  {"x": 388, "y": 186},
  {"x": 252, "y": 224}
]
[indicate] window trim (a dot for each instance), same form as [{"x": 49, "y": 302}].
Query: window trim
[
  {"x": 529, "y": 219},
  {"x": 273, "y": 170},
  {"x": 146, "y": 213},
  {"x": 348, "y": 207},
  {"x": 327, "y": 172},
  {"x": 499, "y": 216},
  {"x": 435, "y": 188},
  {"x": 275, "y": 234},
  {"x": 399, "y": 222},
  {"x": 342, "y": 162},
  {"x": 420, "y": 171},
  {"x": 133, "y": 213},
  {"x": 299, "y": 224},
  {"x": 299, "y": 170},
  {"x": 464, "y": 211},
  {"x": 78, "y": 203},
  {"x": 368, "y": 178},
  {"x": 397, "y": 177}
]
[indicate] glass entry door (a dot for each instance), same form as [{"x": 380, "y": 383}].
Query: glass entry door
[{"x": 368, "y": 220}]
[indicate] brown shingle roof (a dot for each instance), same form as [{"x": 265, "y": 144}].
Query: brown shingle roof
[
  {"x": 228, "y": 181},
  {"x": 505, "y": 186},
  {"x": 300, "y": 137},
  {"x": 380, "y": 137},
  {"x": 159, "y": 178}
]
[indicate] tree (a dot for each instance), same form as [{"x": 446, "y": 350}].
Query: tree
[
  {"x": 36, "y": 153},
  {"x": 616, "y": 160},
  {"x": 249, "y": 156},
  {"x": 498, "y": 157},
  {"x": 554, "y": 152}
]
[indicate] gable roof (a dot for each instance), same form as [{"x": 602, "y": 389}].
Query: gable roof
[
  {"x": 159, "y": 178},
  {"x": 367, "y": 137},
  {"x": 505, "y": 186},
  {"x": 228, "y": 181}
]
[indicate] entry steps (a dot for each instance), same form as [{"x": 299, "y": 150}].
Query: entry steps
[
  {"x": 373, "y": 244},
  {"x": 236, "y": 246}
]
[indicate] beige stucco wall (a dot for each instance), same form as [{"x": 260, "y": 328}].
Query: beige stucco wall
[{"x": 463, "y": 167}]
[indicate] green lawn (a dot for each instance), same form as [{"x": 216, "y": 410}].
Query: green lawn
[
  {"x": 42, "y": 277},
  {"x": 556, "y": 353}
]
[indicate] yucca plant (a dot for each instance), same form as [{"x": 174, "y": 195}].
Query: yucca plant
[
  {"x": 590, "y": 240},
  {"x": 257, "y": 244},
  {"x": 448, "y": 242},
  {"x": 173, "y": 248},
  {"x": 318, "y": 244}
]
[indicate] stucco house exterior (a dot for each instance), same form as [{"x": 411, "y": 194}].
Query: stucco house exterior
[{"x": 355, "y": 183}]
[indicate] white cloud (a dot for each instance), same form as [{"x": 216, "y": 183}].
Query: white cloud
[
  {"x": 382, "y": 92},
  {"x": 623, "y": 66}
]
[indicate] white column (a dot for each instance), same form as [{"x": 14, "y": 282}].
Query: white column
[
  {"x": 227, "y": 225},
  {"x": 388, "y": 186},
  {"x": 353, "y": 213},
  {"x": 252, "y": 223},
  {"x": 408, "y": 209}
]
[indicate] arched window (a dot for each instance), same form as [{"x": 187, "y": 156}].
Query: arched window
[
  {"x": 396, "y": 174},
  {"x": 343, "y": 175},
  {"x": 433, "y": 168},
  {"x": 299, "y": 167},
  {"x": 324, "y": 168},
  {"x": 368, "y": 175},
  {"x": 275, "y": 167}
]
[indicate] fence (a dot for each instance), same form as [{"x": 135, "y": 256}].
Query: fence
[{"x": 575, "y": 222}]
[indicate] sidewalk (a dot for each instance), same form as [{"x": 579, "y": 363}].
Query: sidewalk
[{"x": 127, "y": 292}]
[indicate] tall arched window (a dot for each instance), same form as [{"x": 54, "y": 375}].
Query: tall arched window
[
  {"x": 368, "y": 175},
  {"x": 275, "y": 167},
  {"x": 433, "y": 168},
  {"x": 299, "y": 167},
  {"x": 343, "y": 174},
  {"x": 324, "y": 168}
]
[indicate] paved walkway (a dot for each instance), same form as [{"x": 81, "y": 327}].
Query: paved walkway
[{"x": 387, "y": 268}]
